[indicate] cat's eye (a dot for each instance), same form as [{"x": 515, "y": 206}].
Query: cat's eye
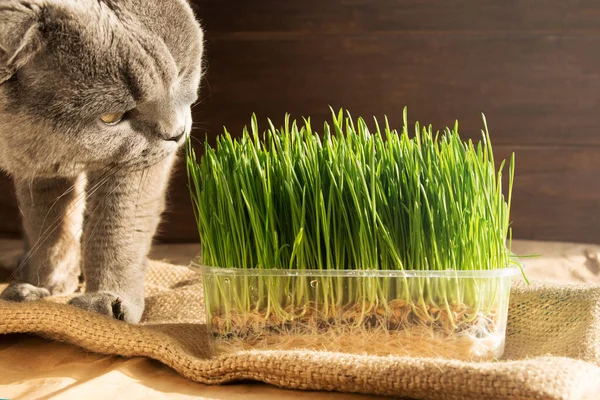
[{"x": 111, "y": 118}]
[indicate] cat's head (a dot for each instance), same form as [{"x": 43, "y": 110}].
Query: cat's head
[{"x": 86, "y": 83}]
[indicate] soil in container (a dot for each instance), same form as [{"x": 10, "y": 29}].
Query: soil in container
[{"x": 469, "y": 326}]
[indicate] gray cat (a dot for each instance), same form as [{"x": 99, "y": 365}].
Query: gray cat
[{"x": 95, "y": 102}]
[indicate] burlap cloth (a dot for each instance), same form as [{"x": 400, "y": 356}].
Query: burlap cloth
[{"x": 552, "y": 347}]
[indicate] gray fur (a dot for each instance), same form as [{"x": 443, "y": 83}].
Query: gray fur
[{"x": 91, "y": 195}]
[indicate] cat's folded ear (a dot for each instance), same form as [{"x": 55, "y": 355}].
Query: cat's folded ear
[{"x": 20, "y": 37}]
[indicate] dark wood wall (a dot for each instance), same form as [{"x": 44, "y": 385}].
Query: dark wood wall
[{"x": 533, "y": 68}]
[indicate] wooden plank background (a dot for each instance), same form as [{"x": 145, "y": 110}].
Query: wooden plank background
[{"x": 533, "y": 68}]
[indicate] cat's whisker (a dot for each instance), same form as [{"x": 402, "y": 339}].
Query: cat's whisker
[
  {"x": 197, "y": 140},
  {"x": 80, "y": 231},
  {"x": 56, "y": 223},
  {"x": 77, "y": 202},
  {"x": 201, "y": 129},
  {"x": 69, "y": 190},
  {"x": 143, "y": 179},
  {"x": 207, "y": 82},
  {"x": 79, "y": 197},
  {"x": 196, "y": 103},
  {"x": 101, "y": 202},
  {"x": 139, "y": 191}
]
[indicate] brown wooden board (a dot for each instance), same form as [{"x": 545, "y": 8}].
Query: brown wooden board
[
  {"x": 359, "y": 16},
  {"x": 533, "y": 89},
  {"x": 533, "y": 67}
]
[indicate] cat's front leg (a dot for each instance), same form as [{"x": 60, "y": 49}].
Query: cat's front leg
[
  {"x": 52, "y": 214},
  {"x": 123, "y": 217}
]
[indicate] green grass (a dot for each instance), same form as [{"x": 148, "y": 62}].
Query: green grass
[{"x": 351, "y": 198}]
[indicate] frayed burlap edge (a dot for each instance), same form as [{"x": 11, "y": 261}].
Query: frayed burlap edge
[{"x": 552, "y": 347}]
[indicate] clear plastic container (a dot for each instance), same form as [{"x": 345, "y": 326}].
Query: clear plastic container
[{"x": 452, "y": 314}]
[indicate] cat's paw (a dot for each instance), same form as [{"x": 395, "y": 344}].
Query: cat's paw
[
  {"x": 19, "y": 291},
  {"x": 110, "y": 304}
]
